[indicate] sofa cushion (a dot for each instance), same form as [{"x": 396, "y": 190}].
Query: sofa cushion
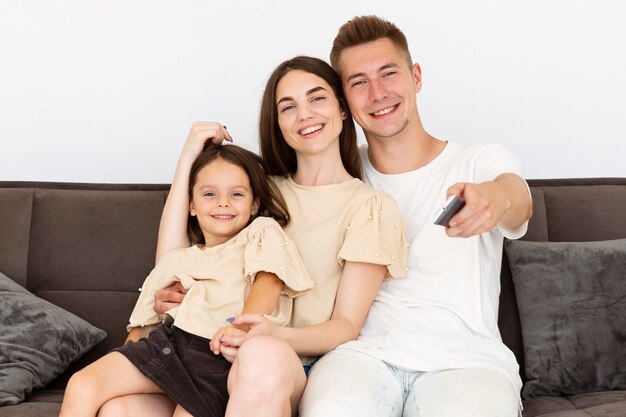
[
  {"x": 572, "y": 302},
  {"x": 38, "y": 340}
]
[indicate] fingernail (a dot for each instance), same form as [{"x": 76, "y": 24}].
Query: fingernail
[
  {"x": 230, "y": 319},
  {"x": 222, "y": 340}
]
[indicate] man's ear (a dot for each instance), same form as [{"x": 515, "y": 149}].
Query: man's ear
[
  {"x": 417, "y": 77},
  {"x": 255, "y": 206},
  {"x": 192, "y": 209}
]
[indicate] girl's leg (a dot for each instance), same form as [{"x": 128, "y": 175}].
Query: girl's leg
[
  {"x": 181, "y": 412},
  {"x": 110, "y": 376},
  {"x": 154, "y": 405},
  {"x": 266, "y": 379}
]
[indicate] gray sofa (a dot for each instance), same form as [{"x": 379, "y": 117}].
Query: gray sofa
[{"x": 87, "y": 248}]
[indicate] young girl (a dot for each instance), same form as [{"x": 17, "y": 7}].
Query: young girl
[{"x": 238, "y": 250}]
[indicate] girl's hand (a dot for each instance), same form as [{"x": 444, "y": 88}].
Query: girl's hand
[
  {"x": 220, "y": 338},
  {"x": 258, "y": 325},
  {"x": 202, "y": 133}
]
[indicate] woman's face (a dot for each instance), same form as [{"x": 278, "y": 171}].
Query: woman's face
[{"x": 309, "y": 114}]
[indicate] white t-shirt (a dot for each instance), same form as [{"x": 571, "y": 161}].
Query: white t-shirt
[{"x": 443, "y": 313}]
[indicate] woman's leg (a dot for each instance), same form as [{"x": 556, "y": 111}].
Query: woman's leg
[
  {"x": 266, "y": 379},
  {"x": 99, "y": 382},
  {"x": 154, "y": 405}
]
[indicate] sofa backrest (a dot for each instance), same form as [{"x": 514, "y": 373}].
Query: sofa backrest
[
  {"x": 88, "y": 247},
  {"x": 84, "y": 247},
  {"x": 564, "y": 210}
]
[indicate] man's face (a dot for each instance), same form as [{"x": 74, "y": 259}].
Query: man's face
[{"x": 380, "y": 87}]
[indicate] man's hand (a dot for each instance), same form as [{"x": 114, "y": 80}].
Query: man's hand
[
  {"x": 168, "y": 298},
  {"x": 504, "y": 202},
  {"x": 485, "y": 204}
]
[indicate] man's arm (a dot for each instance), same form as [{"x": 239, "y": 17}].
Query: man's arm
[{"x": 503, "y": 202}]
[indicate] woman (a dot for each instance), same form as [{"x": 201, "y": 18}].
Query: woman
[{"x": 350, "y": 236}]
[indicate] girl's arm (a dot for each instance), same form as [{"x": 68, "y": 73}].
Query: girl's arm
[
  {"x": 137, "y": 333},
  {"x": 358, "y": 286},
  {"x": 263, "y": 299},
  {"x": 173, "y": 226}
]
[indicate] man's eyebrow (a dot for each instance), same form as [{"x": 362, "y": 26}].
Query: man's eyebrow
[
  {"x": 308, "y": 92},
  {"x": 382, "y": 68}
]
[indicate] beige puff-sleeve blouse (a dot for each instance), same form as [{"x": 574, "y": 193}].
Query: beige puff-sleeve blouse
[{"x": 218, "y": 279}]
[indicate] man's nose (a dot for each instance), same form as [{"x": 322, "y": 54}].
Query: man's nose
[{"x": 377, "y": 90}]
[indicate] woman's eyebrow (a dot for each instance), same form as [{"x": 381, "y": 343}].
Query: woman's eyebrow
[{"x": 308, "y": 92}]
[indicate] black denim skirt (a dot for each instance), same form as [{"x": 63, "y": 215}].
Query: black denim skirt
[{"x": 184, "y": 367}]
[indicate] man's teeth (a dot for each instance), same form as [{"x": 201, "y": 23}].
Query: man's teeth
[
  {"x": 384, "y": 111},
  {"x": 311, "y": 129}
]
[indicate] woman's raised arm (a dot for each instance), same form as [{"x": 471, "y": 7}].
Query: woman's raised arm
[{"x": 173, "y": 226}]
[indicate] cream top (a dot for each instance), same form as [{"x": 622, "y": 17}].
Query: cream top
[
  {"x": 219, "y": 278},
  {"x": 335, "y": 223}
]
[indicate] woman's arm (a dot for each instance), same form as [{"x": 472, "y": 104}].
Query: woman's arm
[
  {"x": 173, "y": 226},
  {"x": 358, "y": 286}
]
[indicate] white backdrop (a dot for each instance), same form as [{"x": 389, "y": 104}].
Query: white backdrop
[{"x": 105, "y": 91}]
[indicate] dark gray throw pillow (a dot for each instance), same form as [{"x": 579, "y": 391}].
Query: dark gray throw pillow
[
  {"x": 572, "y": 304},
  {"x": 38, "y": 341}
]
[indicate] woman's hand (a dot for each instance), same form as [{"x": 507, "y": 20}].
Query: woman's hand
[
  {"x": 167, "y": 298},
  {"x": 202, "y": 133}
]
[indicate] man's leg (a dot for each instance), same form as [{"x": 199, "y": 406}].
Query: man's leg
[
  {"x": 348, "y": 383},
  {"x": 472, "y": 392}
]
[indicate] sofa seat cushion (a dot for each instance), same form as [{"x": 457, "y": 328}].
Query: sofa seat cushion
[{"x": 597, "y": 404}]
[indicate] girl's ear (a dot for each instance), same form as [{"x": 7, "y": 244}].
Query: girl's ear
[
  {"x": 192, "y": 209},
  {"x": 255, "y": 206}
]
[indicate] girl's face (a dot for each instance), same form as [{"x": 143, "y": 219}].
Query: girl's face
[
  {"x": 309, "y": 114},
  {"x": 223, "y": 201}
]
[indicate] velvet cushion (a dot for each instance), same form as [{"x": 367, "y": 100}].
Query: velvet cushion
[
  {"x": 38, "y": 340},
  {"x": 572, "y": 303}
]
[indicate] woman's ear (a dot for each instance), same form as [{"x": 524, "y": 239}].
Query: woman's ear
[{"x": 342, "y": 106}]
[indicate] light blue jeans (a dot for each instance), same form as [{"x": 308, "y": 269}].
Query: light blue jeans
[{"x": 346, "y": 383}]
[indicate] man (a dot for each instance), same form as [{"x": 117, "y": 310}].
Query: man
[{"x": 430, "y": 345}]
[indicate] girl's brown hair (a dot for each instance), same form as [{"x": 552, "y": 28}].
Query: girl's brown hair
[
  {"x": 271, "y": 203},
  {"x": 278, "y": 157}
]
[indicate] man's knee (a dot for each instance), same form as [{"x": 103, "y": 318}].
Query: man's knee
[
  {"x": 347, "y": 383},
  {"x": 472, "y": 392}
]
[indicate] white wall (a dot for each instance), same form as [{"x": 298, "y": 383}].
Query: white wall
[{"x": 105, "y": 91}]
